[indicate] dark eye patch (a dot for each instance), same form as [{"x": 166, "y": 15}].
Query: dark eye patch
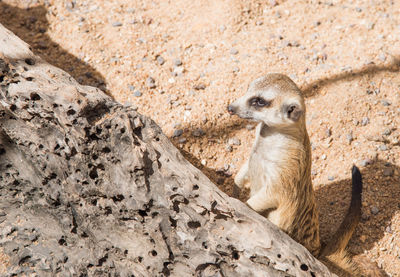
[{"x": 259, "y": 102}]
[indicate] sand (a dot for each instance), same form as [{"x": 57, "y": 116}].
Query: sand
[{"x": 182, "y": 62}]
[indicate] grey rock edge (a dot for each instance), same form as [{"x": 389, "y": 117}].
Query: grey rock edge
[{"x": 89, "y": 187}]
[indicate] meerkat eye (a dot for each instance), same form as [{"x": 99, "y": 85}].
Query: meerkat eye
[{"x": 259, "y": 102}]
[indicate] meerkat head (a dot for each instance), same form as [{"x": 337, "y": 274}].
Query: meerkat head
[{"x": 273, "y": 99}]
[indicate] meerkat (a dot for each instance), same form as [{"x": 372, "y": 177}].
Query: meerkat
[{"x": 278, "y": 171}]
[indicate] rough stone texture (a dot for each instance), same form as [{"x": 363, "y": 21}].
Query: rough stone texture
[{"x": 90, "y": 187}]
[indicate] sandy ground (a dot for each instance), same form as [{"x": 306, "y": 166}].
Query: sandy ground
[{"x": 181, "y": 62}]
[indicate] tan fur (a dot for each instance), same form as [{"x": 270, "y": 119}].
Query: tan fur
[{"x": 278, "y": 171}]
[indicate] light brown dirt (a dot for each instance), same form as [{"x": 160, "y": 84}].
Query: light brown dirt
[
  {"x": 4, "y": 262},
  {"x": 336, "y": 51}
]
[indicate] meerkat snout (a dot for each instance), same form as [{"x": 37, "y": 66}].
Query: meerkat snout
[{"x": 231, "y": 109}]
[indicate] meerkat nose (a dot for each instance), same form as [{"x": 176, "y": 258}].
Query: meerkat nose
[{"x": 231, "y": 110}]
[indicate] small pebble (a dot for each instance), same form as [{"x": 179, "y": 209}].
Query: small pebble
[
  {"x": 385, "y": 103},
  {"x": 116, "y": 24},
  {"x": 131, "y": 87},
  {"x": 198, "y": 132},
  {"x": 323, "y": 156},
  {"x": 382, "y": 57},
  {"x": 137, "y": 93},
  {"x": 314, "y": 172},
  {"x": 364, "y": 121},
  {"x": 370, "y": 25},
  {"x": 272, "y": 3},
  {"x": 374, "y": 210},
  {"x": 331, "y": 178},
  {"x": 177, "y": 133},
  {"x": 182, "y": 140},
  {"x": 383, "y": 147},
  {"x": 388, "y": 171},
  {"x": 234, "y": 141},
  {"x": 364, "y": 216},
  {"x": 328, "y": 132},
  {"x": 365, "y": 162},
  {"x": 178, "y": 70},
  {"x": 150, "y": 82},
  {"x": 160, "y": 60},
  {"x": 387, "y": 132},
  {"x": 200, "y": 86},
  {"x": 177, "y": 62},
  {"x": 228, "y": 148},
  {"x": 234, "y": 51},
  {"x": 349, "y": 138}
]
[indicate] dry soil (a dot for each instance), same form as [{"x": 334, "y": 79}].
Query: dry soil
[{"x": 181, "y": 62}]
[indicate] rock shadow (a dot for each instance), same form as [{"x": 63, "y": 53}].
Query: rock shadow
[{"x": 31, "y": 25}]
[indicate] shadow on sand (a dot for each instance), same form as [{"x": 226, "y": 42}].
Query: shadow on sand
[{"x": 31, "y": 26}]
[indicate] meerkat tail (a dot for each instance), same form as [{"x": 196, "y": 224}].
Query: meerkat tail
[{"x": 342, "y": 236}]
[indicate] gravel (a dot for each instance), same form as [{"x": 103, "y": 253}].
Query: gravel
[
  {"x": 198, "y": 132},
  {"x": 364, "y": 121},
  {"x": 137, "y": 93},
  {"x": 117, "y": 24},
  {"x": 199, "y": 86},
  {"x": 178, "y": 70},
  {"x": 177, "y": 133},
  {"x": 383, "y": 147},
  {"x": 349, "y": 138},
  {"x": 177, "y": 62},
  {"x": 387, "y": 132},
  {"x": 374, "y": 210},
  {"x": 234, "y": 141},
  {"x": 365, "y": 162},
  {"x": 234, "y": 51},
  {"x": 151, "y": 83},
  {"x": 160, "y": 60},
  {"x": 388, "y": 171}
]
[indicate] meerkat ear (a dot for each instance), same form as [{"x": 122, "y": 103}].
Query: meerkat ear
[{"x": 293, "y": 111}]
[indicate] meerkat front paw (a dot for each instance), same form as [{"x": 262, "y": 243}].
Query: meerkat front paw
[{"x": 241, "y": 179}]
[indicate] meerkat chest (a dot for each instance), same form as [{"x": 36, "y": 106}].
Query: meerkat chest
[{"x": 264, "y": 163}]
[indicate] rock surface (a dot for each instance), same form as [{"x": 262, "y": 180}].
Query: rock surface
[{"x": 91, "y": 187}]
